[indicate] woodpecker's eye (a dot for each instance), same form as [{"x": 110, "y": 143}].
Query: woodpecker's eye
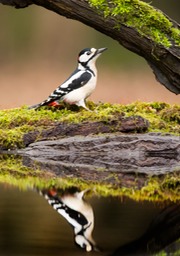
[{"x": 88, "y": 53}]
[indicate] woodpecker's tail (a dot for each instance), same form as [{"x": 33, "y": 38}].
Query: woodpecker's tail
[
  {"x": 48, "y": 102},
  {"x": 35, "y": 106}
]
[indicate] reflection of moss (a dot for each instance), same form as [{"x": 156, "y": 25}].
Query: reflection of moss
[
  {"x": 15, "y": 123},
  {"x": 141, "y": 16},
  {"x": 175, "y": 252},
  {"x": 160, "y": 188},
  {"x": 13, "y": 171}
]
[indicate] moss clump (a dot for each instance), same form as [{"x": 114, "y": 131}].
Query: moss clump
[
  {"x": 15, "y": 123},
  {"x": 172, "y": 114},
  {"x": 162, "y": 116},
  {"x": 143, "y": 17}
]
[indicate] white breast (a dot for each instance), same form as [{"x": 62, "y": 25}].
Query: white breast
[{"x": 81, "y": 93}]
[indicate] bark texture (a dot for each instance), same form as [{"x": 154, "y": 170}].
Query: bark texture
[
  {"x": 85, "y": 157},
  {"x": 164, "y": 61}
]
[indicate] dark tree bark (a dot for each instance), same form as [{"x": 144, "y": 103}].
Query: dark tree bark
[{"x": 164, "y": 60}]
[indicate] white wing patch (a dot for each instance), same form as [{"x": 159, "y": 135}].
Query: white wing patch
[{"x": 73, "y": 77}]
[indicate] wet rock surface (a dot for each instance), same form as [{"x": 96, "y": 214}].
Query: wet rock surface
[{"x": 151, "y": 154}]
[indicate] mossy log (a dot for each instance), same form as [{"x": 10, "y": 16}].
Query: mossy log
[
  {"x": 21, "y": 127},
  {"x": 134, "y": 24},
  {"x": 122, "y": 150},
  {"x": 115, "y": 138}
]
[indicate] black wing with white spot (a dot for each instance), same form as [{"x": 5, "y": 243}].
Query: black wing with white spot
[
  {"x": 74, "y": 217},
  {"x": 76, "y": 80},
  {"x": 68, "y": 213}
]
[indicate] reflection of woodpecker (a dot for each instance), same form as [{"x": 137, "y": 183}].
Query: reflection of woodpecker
[{"x": 73, "y": 207}]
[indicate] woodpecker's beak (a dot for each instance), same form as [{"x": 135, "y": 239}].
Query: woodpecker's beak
[{"x": 99, "y": 51}]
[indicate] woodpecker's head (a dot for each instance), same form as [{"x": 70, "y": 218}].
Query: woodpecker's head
[
  {"x": 88, "y": 56},
  {"x": 84, "y": 243}
]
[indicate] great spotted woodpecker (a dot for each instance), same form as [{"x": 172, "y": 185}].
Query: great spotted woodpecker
[
  {"x": 80, "y": 84},
  {"x": 72, "y": 206}
]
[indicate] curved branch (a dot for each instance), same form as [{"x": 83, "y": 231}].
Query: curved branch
[{"x": 156, "y": 40}]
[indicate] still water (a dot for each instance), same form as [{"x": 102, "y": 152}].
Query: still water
[{"x": 48, "y": 222}]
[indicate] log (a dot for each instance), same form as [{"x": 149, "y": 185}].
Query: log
[
  {"x": 81, "y": 156},
  {"x": 114, "y": 139}
]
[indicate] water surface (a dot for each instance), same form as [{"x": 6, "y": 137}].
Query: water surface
[{"x": 30, "y": 226}]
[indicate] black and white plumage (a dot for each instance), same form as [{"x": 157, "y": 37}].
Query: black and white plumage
[
  {"x": 80, "y": 84},
  {"x": 72, "y": 206}
]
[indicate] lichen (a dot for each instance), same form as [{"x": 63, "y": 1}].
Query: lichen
[
  {"x": 15, "y": 123},
  {"x": 147, "y": 20}
]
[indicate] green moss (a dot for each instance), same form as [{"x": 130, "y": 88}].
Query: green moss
[
  {"x": 166, "y": 252},
  {"x": 154, "y": 188},
  {"x": 143, "y": 17},
  {"x": 10, "y": 164},
  {"x": 155, "y": 113},
  {"x": 172, "y": 114},
  {"x": 15, "y": 123}
]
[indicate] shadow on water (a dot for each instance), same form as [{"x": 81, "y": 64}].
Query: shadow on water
[{"x": 101, "y": 225}]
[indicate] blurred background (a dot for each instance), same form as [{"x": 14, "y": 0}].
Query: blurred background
[{"x": 38, "y": 51}]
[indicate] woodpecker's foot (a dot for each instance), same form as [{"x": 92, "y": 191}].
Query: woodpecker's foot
[{"x": 88, "y": 109}]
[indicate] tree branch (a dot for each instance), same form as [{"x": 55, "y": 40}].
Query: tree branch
[{"x": 137, "y": 26}]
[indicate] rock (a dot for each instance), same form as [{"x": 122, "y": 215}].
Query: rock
[
  {"x": 151, "y": 154},
  {"x": 117, "y": 123}
]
